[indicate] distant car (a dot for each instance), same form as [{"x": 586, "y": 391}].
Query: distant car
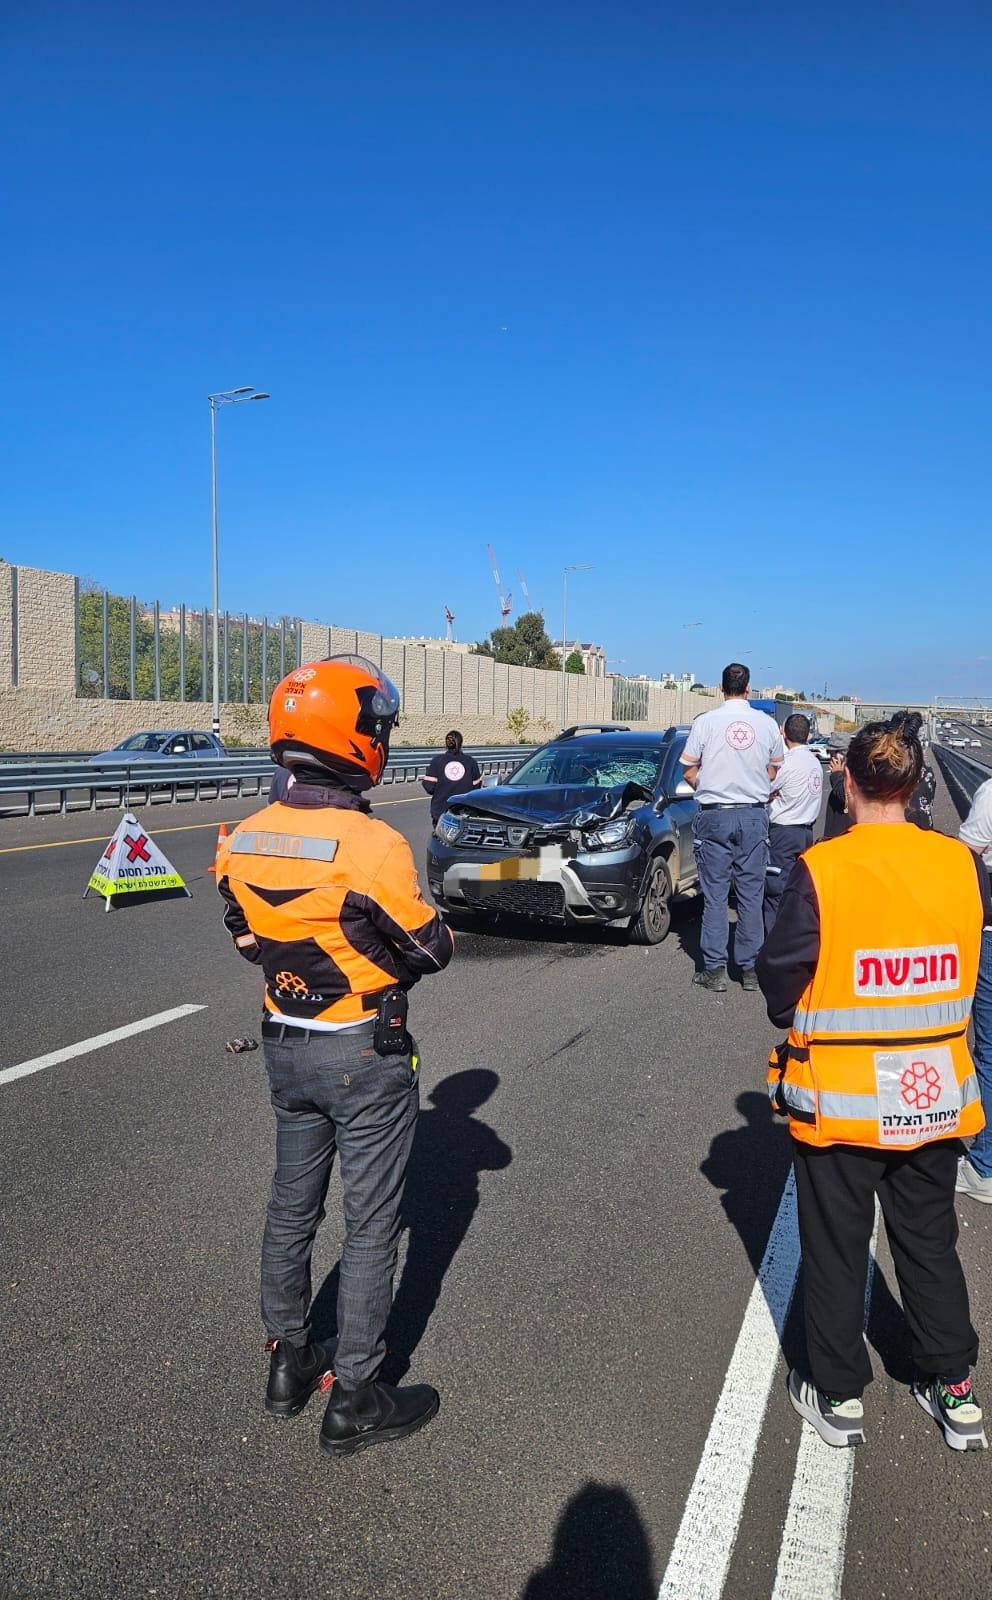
[
  {"x": 976, "y": 744},
  {"x": 820, "y": 748},
  {"x": 593, "y": 827},
  {"x": 171, "y": 745},
  {"x": 957, "y": 744}
]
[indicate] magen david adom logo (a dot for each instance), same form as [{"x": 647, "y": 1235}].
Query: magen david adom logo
[{"x": 740, "y": 736}]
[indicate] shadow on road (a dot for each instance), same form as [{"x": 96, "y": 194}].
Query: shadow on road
[
  {"x": 750, "y": 1164},
  {"x": 450, "y": 1148},
  {"x": 601, "y": 1551}
]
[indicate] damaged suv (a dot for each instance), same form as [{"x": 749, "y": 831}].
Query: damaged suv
[{"x": 594, "y": 827}]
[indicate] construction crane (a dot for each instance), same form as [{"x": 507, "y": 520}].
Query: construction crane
[
  {"x": 526, "y": 592},
  {"x": 449, "y": 617},
  {"x": 505, "y": 600}
]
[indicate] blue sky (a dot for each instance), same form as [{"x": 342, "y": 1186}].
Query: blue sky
[{"x": 697, "y": 294}]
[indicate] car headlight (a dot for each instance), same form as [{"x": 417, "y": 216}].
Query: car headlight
[
  {"x": 448, "y": 827},
  {"x": 611, "y": 835}
]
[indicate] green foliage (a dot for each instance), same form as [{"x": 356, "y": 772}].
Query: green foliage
[
  {"x": 198, "y": 670},
  {"x": 518, "y": 722},
  {"x": 525, "y": 644},
  {"x": 574, "y": 663}
]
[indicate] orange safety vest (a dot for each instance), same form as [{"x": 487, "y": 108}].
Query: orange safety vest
[{"x": 878, "y": 1050}]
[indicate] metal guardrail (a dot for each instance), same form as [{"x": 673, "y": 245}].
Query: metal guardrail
[
  {"x": 43, "y": 789},
  {"x": 963, "y": 774}
]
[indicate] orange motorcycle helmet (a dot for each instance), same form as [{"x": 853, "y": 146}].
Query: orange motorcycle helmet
[{"x": 335, "y": 714}]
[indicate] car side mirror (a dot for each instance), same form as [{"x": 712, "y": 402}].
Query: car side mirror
[{"x": 684, "y": 791}]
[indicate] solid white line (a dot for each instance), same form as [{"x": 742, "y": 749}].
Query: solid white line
[
  {"x": 814, "y": 1539},
  {"x": 697, "y": 1567},
  {"x": 98, "y": 1042}
]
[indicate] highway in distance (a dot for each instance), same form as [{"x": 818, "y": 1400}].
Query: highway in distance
[{"x": 599, "y": 1259}]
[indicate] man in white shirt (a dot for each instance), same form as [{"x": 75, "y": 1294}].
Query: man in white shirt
[
  {"x": 975, "y": 1169},
  {"x": 731, "y": 756},
  {"x": 796, "y": 796}
]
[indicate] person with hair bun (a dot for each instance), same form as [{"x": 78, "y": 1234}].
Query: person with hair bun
[
  {"x": 452, "y": 772},
  {"x": 872, "y": 965}
]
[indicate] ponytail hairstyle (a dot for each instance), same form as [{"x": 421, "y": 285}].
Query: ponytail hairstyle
[
  {"x": 885, "y": 759},
  {"x": 453, "y": 741}
]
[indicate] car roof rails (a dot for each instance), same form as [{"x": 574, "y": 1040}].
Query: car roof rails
[{"x": 593, "y": 727}]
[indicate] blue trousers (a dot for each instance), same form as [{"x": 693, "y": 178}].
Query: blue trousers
[
  {"x": 980, "y": 1154},
  {"x": 731, "y": 847}
]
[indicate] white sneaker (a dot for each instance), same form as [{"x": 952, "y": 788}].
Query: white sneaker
[
  {"x": 838, "y": 1422},
  {"x": 955, "y": 1410},
  {"x": 972, "y": 1183}
]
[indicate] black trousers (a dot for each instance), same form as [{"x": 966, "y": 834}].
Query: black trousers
[
  {"x": 836, "y": 1188},
  {"x": 786, "y": 843}
]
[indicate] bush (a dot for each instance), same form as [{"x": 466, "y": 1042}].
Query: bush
[{"x": 517, "y": 723}]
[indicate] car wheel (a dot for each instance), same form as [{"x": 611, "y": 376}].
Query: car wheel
[{"x": 654, "y": 919}]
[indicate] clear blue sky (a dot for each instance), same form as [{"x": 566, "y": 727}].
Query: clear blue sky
[{"x": 741, "y": 255}]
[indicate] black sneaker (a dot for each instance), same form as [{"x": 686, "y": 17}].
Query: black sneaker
[
  {"x": 838, "y": 1422},
  {"x": 956, "y": 1411},
  {"x": 749, "y": 980},
  {"x": 715, "y": 981},
  {"x": 295, "y": 1371},
  {"x": 374, "y": 1414}
]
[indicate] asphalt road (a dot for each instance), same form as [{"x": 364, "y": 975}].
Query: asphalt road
[{"x": 594, "y": 1181}]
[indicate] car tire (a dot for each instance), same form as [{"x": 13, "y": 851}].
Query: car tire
[{"x": 654, "y": 918}]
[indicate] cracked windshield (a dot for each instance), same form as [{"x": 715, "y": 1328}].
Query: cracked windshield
[{"x": 598, "y": 769}]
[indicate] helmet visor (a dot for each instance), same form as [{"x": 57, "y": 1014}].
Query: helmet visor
[{"x": 384, "y": 703}]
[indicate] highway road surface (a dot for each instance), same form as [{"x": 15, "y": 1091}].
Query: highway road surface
[{"x": 599, "y": 1270}]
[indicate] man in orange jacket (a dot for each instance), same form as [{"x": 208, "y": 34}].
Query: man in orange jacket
[
  {"x": 325, "y": 899},
  {"x": 872, "y": 965}
]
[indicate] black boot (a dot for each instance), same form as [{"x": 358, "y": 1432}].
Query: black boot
[
  {"x": 295, "y": 1371},
  {"x": 374, "y": 1413}
]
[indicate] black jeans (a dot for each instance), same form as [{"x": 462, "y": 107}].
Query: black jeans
[
  {"x": 331, "y": 1092},
  {"x": 836, "y": 1188},
  {"x": 786, "y": 843}
]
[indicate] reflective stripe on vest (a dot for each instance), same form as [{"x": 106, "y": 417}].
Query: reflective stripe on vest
[
  {"x": 802, "y": 1103},
  {"x": 900, "y": 923},
  {"x": 891, "y": 1020}
]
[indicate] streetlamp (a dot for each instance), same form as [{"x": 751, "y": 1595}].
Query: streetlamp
[
  {"x": 226, "y": 397},
  {"x": 574, "y": 567},
  {"x": 681, "y": 702}
]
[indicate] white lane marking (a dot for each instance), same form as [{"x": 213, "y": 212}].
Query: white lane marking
[
  {"x": 814, "y": 1539},
  {"x": 697, "y": 1567},
  {"x": 98, "y": 1042}
]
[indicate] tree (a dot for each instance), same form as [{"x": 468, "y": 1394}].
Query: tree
[
  {"x": 524, "y": 644},
  {"x": 574, "y": 663}
]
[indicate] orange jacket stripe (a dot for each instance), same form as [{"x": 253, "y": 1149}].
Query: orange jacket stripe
[
  {"x": 878, "y": 1052},
  {"x": 331, "y": 896}
]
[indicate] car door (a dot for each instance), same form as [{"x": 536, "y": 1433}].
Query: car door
[
  {"x": 203, "y": 746},
  {"x": 680, "y": 812}
]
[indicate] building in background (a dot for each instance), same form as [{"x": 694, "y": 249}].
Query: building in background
[
  {"x": 593, "y": 656},
  {"x": 454, "y": 645}
]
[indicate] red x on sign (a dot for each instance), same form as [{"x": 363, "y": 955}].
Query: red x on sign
[{"x": 136, "y": 847}]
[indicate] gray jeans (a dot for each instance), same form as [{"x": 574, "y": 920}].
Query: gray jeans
[
  {"x": 731, "y": 846},
  {"x": 331, "y": 1092}
]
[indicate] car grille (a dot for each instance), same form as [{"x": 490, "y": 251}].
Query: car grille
[
  {"x": 482, "y": 833},
  {"x": 523, "y": 898}
]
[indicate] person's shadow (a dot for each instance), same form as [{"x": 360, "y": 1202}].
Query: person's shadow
[
  {"x": 450, "y": 1148},
  {"x": 601, "y": 1551}
]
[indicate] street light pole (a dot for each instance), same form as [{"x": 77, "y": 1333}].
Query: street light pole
[
  {"x": 225, "y": 397},
  {"x": 575, "y": 567}
]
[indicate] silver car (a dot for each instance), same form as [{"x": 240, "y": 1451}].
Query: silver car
[{"x": 172, "y": 744}]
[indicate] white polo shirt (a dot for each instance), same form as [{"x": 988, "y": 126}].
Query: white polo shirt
[
  {"x": 976, "y": 829},
  {"x": 799, "y": 789},
  {"x": 733, "y": 745}
]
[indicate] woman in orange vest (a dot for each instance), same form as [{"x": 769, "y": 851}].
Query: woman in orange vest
[{"x": 872, "y": 966}]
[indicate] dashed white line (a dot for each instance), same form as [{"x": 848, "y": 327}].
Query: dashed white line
[
  {"x": 814, "y": 1539},
  {"x": 98, "y": 1042},
  {"x": 697, "y": 1568}
]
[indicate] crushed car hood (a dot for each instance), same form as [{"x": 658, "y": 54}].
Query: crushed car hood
[{"x": 575, "y": 804}]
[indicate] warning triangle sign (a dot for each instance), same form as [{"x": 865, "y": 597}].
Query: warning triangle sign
[{"x": 133, "y": 865}]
